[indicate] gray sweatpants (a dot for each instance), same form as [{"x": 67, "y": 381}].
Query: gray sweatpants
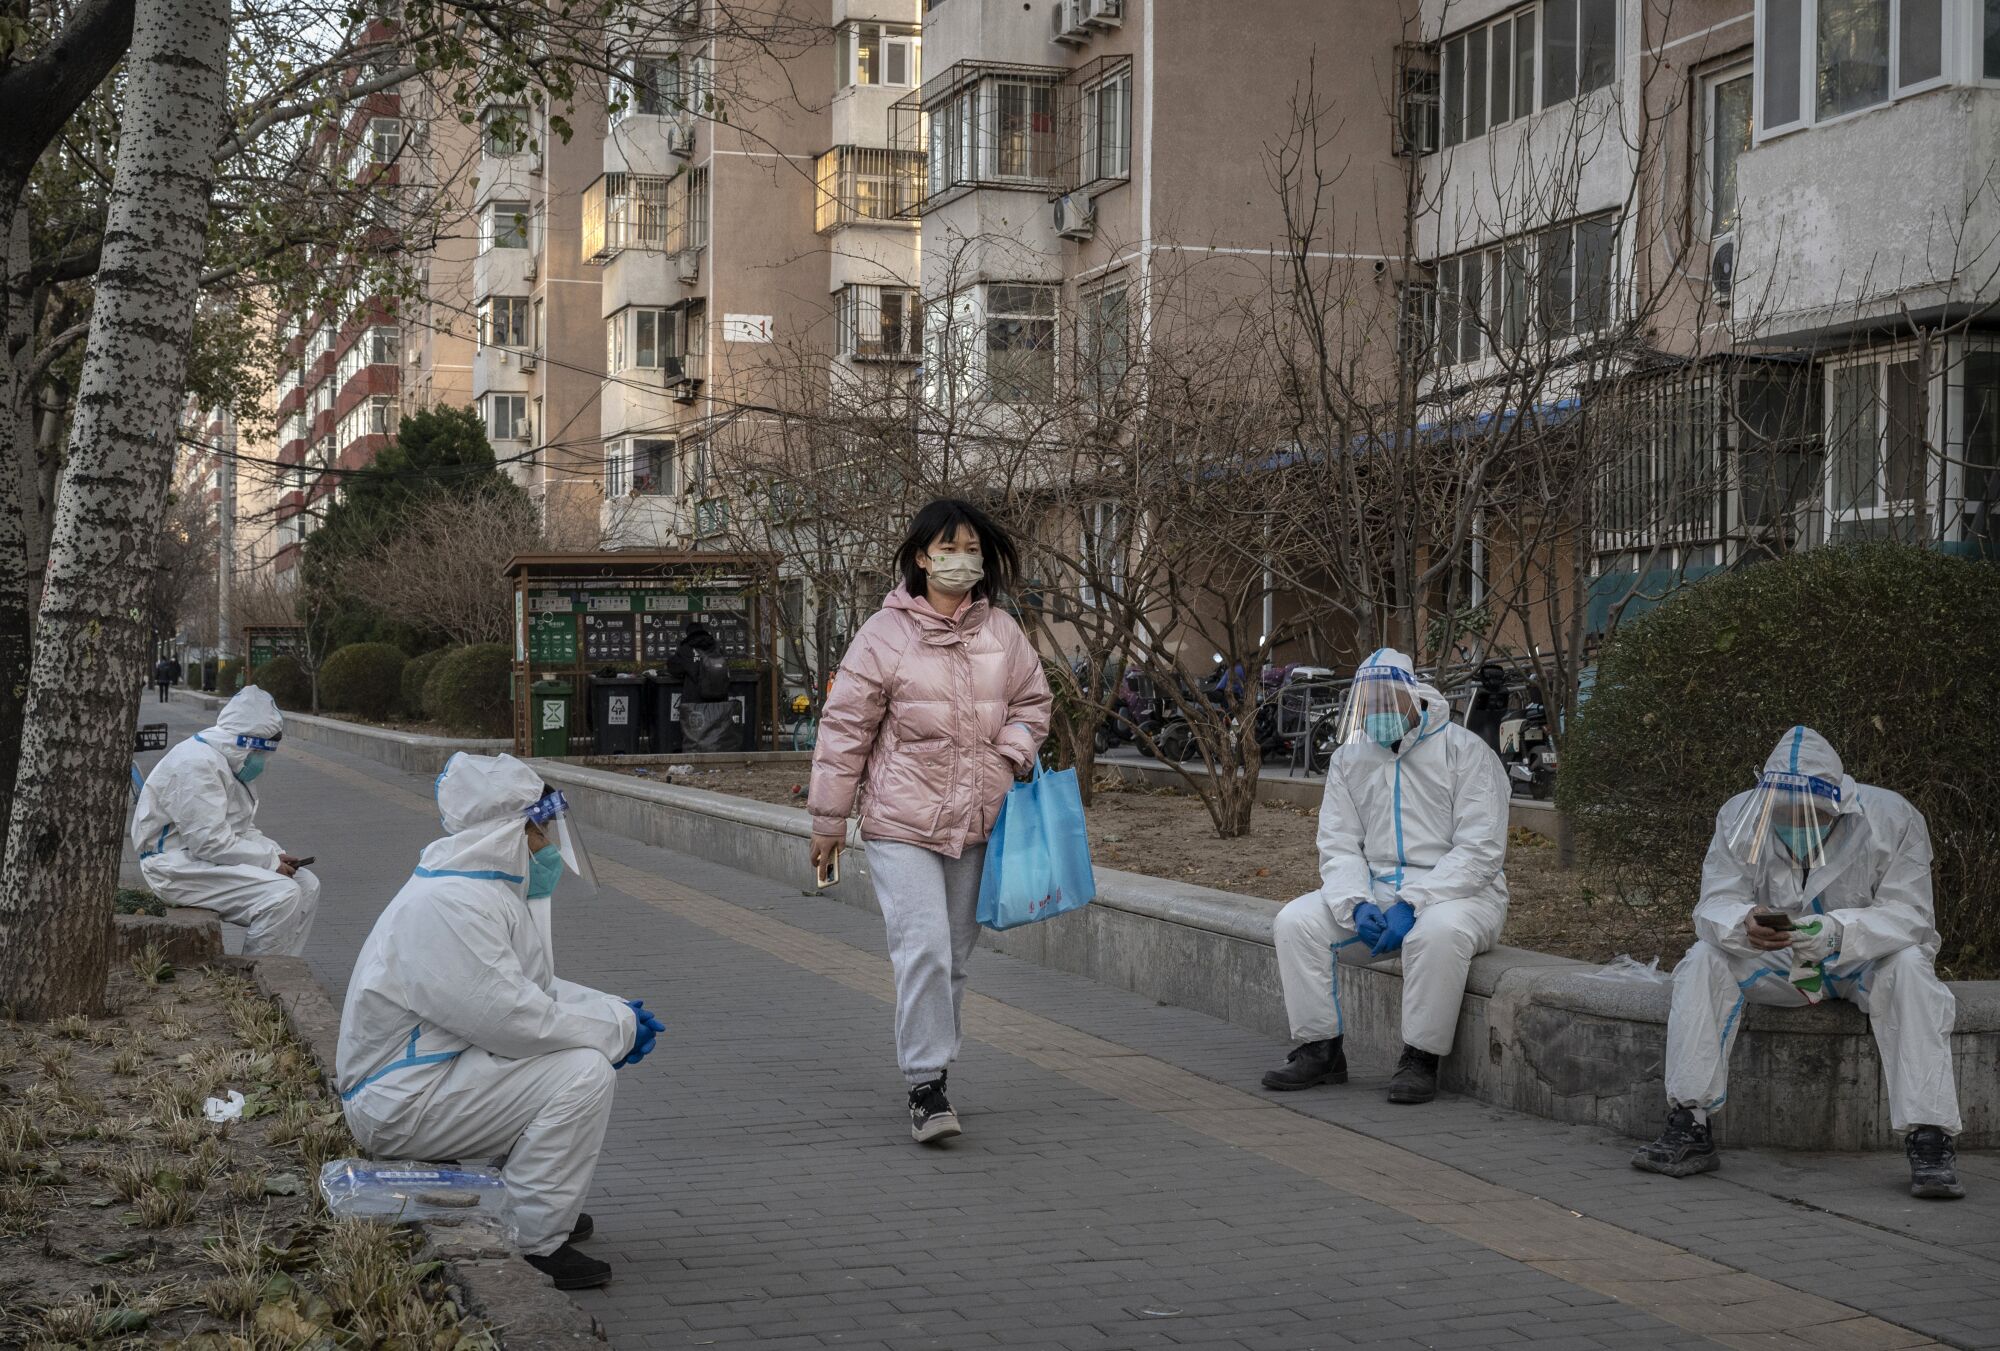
[{"x": 929, "y": 903}]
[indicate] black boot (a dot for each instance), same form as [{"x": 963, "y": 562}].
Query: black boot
[
  {"x": 572, "y": 1270},
  {"x": 1933, "y": 1165},
  {"x": 1684, "y": 1148},
  {"x": 585, "y": 1227},
  {"x": 1416, "y": 1078},
  {"x": 931, "y": 1117},
  {"x": 1310, "y": 1064}
]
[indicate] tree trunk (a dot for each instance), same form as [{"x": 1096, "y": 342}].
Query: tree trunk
[
  {"x": 16, "y": 484},
  {"x": 89, "y": 661}
]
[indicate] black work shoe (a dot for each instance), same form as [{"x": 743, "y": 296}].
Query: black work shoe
[
  {"x": 931, "y": 1117},
  {"x": 1933, "y": 1165},
  {"x": 1311, "y": 1064},
  {"x": 572, "y": 1270},
  {"x": 1683, "y": 1149},
  {"x": 585, "y": 1227},
  {"x": 1416, "y": 1077}
]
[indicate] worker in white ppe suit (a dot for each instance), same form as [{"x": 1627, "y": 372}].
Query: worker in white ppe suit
[
  {"x": 1815, "y": 887},
  {"x": 1412, "y": 836},
  {"x": 196, "y": 833},
  {"x": 457, "y": 1040}
]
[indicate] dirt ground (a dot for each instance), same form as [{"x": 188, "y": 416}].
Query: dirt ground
[
  {"x": 1163, "y": 833},
  {"x": 128, "y": 1219}
]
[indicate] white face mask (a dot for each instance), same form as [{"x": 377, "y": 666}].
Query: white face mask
[{"x": 956, "y": 574}]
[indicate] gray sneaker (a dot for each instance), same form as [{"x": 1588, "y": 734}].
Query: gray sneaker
[{"x": 931, "y": 1117}]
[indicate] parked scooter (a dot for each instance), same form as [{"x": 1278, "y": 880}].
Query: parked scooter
[{"x": 1526, "y": 750}]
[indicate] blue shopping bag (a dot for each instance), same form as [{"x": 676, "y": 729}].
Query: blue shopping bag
[{"x": 1038, "y": 857}]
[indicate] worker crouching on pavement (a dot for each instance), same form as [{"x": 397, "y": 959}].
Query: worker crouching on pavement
[
  {"x": 1815, "y": 887},
  {"x": 196, "y": 833},
  {"x": 459, "y": 1042},
  {"x": 1412, "y": 835}
]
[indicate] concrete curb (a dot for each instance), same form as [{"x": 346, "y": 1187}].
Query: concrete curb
[
  {"x": 519, "y": 1303},
  {"x": 1538, "y": 1033}
]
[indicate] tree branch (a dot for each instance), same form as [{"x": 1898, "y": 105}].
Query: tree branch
[{"x": 38, "y": 98}]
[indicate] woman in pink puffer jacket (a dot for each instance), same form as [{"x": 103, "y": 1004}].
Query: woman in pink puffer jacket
[{"x": 938, "y": 706}]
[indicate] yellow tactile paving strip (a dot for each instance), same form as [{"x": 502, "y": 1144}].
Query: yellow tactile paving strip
[{"x": 1728, "y": 1306}]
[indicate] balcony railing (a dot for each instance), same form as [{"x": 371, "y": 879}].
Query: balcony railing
[
  {"x": 983, "y": 125},
  {"x": 656, "y": 213},
  {"x": 866, "y": 183}
]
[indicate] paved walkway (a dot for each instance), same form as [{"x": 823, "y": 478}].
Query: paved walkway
[{"x": 1122, "y": 1182}]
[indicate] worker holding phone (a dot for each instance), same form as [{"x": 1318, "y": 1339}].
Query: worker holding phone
[
  {"x": 1815, "y": 887},
  {"x": 941, "y": 704}
]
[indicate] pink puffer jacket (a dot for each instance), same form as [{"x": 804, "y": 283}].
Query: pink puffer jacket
[{"x": 929, "y": 721}]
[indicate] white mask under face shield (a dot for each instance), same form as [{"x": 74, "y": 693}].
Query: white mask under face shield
[
  {"x": 1382, "y": 705},
  {"x": 552, "y": 813}
]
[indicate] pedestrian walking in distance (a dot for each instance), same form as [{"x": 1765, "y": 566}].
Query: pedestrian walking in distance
[
  {"x": 938, "y": 706},
  {"x": 163, "y": 676}
]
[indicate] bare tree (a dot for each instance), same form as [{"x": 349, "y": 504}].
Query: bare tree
[{"x": 440, "y": 571}]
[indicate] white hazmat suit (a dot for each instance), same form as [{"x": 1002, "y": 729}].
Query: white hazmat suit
[
  {"x": 1423, "y": 822},
  {"x": 196, "y": 833},
  {"x": 1874, "y": 886},
  {"x": 457, "y": 1041}
]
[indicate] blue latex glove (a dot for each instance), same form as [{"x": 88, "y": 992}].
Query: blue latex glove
[
  {"x": 649, "y": 1032},
  {"x": 1396, "y": 926},
  {"x": 1368, "y": 922}
]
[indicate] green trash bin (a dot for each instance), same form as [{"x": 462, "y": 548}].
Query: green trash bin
[{"x": 549, "y": 703}]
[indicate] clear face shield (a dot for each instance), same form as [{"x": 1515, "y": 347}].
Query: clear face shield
[
  {"x": 1791, "y": 814},
  {"x": 553, "y": 815},
  {"x": 1382, "y": 706}
]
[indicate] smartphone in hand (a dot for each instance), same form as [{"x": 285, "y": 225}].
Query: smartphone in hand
[
  {"x": 828, "y": 873},
  {"x": 1771, "y": 919}
]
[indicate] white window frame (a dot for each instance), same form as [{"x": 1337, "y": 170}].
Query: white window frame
[
  {"x": 673, "y": 101},
  {"x": 1882, "y": 508},
  {"x": 489, "y": 230},
  {"x": 517, "y": 114},
  {"x": 516, "y": 406},
  {"x": 1106, "y": 524},
  {"x": 1711, "y": 87},
  {"x": 847, "y": 55},
  {"x": 1114, "y": 162},
  {"x": 989, "y": 316},
  {"x": 1959, "y": 61},
  {"x": 1092, "y": 350},
  {"x": 1452, "y": 73},
  {"x": 1489, "y": 320}
]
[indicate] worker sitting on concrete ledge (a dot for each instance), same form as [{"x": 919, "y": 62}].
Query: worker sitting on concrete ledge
[
  {"x": 1815, "y": 887},
  {"x": 1412, "y": 835}
]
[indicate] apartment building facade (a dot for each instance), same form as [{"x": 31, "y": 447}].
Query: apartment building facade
[{"x": 1778, "y": 217}]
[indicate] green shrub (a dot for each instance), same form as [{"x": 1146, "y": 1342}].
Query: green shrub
[
  {"x": 1891, "y": 652},
  {"x": 416, "y": 672},
  {"x": 285, "y": 680},
  {"x": 468, "y": 690},
  {"x": 363, "y": 678}
]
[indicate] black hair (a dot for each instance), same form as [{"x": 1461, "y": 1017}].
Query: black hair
[{"x": 942, "y": 518}]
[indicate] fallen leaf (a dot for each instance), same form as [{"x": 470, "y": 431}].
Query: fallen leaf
[
  {"x": 114, "y": 1321},
  {"x": 105, "y": 1259},
  {"x": 284, "y": 1184}
]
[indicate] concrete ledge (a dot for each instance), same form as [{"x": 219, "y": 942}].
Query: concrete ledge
[
  {"x": 1522, "y": 813},
  {"x": 522, "y": 1307},
  {"x": 1538, "y": 1033},
  {"x": 409, "y": 751},
  {"x": 184, "y": 937}
]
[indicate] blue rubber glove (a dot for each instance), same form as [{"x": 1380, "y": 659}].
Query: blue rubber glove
[
  {"x": 649, "y": 1032},
  {"x": 1396, "y": 926},
  {"x": 1368, "y": 922}
]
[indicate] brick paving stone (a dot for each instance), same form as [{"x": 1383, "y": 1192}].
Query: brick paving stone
[{"x": 758, "y": 1187}]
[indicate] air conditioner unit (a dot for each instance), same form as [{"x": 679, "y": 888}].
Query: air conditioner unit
[
  {"x": 1069, "y": 26},
  {"x": 686, "y": 389},
  {"x": 1076, "y": 215},
  {"x": 1722, "y": 266},
  {"x": 534, "y": 266},
  {"x": 687, "y": 266},
  {"x": 1104, "y": 13},
  {"x": 685, "y": 14},
  {"x": 680, "y": 139},
  {"x": 529, "y": 360}
]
